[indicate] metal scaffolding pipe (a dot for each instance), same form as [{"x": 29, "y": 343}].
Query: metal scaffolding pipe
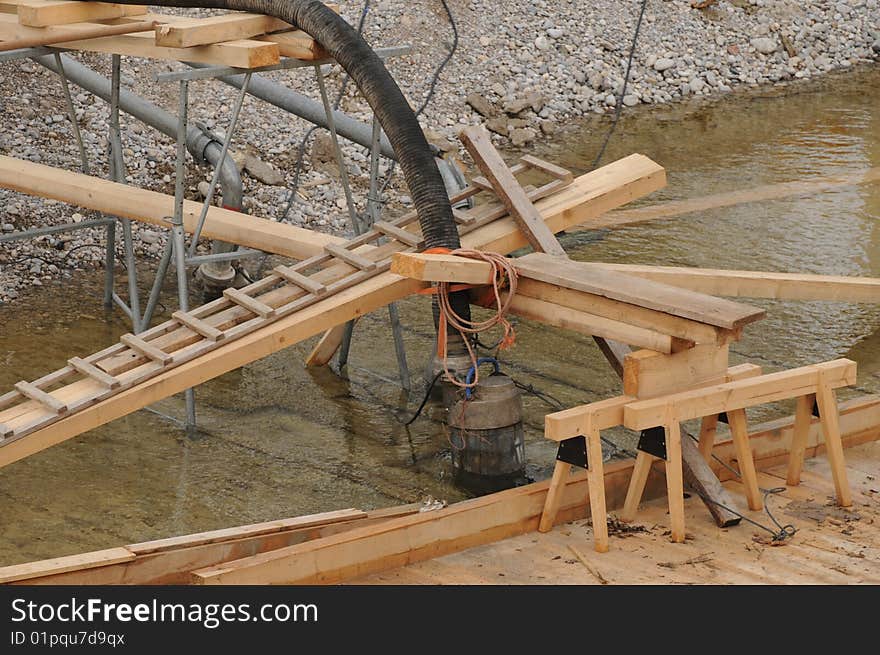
[{"x": 311, "y": 110}]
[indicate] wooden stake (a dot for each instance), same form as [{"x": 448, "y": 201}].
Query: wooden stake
[{"x": 803, "y": 417}]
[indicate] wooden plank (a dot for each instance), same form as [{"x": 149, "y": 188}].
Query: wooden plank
[
  {"x": 441, "y": 268},
  {"x": 548, "y": 167},
  {"x": 638, "y": 291},
  {"x": 94, "y": 32},
  {"x": 241, "y": 53},
  {"x": 300, "y": 280},
  {"x": 244, "y": 531},
  {"x": 63, "y": 564},
  {"x": 404, "y": 236},
  {"x": 740, "y": 394},
  {"x": 591, "y": 194},
  {"x": 46, "y": 399},
  {"x": 198, "y": 326},
  {"x": 647, "y": 373},
  {"x": 151, "y": 207},
  {"x": 214, "y": 29},
  {"x": 147, "y": 350},
  {"x": 674, "y": 208},
  {"x": 590, "y": 324},
  {"x": 650, "y": 319},
  {"x": 351, "y": 258},
  {"x": 479, "y": 144},
  {"x": 757, "y": 284},
  {"x": 43, "y": 13},
  {"x": 93, "y": 372},
  {"x": 674, "y": 479},
  {"x": 259, "y": 308}
]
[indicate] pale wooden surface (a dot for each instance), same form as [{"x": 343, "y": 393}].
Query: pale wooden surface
[{"x": 839, "y": 550}]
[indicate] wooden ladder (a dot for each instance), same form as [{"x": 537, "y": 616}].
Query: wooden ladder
[{"x": 188, "y": 335}]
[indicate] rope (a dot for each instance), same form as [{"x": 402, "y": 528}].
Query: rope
[{"x": 503, "y": 275}]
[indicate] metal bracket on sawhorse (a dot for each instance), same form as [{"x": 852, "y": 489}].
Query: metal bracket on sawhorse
[
  {"x": 653, "y": 442},
  {"x": 573, "y": 451}
]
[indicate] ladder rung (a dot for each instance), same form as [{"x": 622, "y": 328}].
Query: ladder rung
[
  {"x": 482, "y": 183},
  {"x": 5, "y": 431},
  {"x": 349, "y": 257},
  {"x": 404, "y": 236},
  {"x": 198, "y": 326},
  {"x": 139, "y": 345},
  {"x": 551, "y": 169},
  {"x": 91, "y": 371},
  {"x": 46, "y": 399},
  {"x": 300, "y": 280},
  {"x": 251, "y": 304},
  {"x": 462, "y": 217}
]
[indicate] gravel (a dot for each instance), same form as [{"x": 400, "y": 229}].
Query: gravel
[{"x": 523, "y": 68}]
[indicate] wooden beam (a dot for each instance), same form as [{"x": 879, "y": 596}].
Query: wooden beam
[
  {"x": 592, "y": 325},
  {"x": 214, "y": 29},
  {"x": 241, "y": 53},
  {"x": 757, "y": 284},
  {"x": 441, "y": 268},
  {"x": 42, "y": 13},
  {"x": 593, "y": 192},
  {"x": 643, "y": 293},
  {"x": 647, "y": 373},
  {"x": 478, "y": 142},
  {"x": 151, "y": 207},
  {"x": 296, "y": 44},
  {"x": 95, "y": 32},
  {"x": 608, "y": 413},
  {"x": 326, "y": 347},
  {"x": 741, "y": 394}
]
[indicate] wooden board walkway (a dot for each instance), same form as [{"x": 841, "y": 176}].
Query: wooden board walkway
[{"x": 145, "y": 376}]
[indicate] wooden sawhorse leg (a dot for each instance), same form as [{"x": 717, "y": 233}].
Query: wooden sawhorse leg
[
  {"x": 708, "y": 431},
  {"x": 803, "y": 417},
  {"x": 739, "y": 431},
  {"x": 596, "y": 486},
  {"x": 674, "y": 482},
  {"x": 828, "y": 415}
]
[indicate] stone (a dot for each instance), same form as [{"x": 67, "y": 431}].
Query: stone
[
  {"x": 764, "y": 44},
  {"x": 262, "y": 171},
  {"x": 696, "y": 85},
  {"x": 542, "y": 43},
  {"x": 533, "y": 101},
  {"x": 148, "y": 236},
  {"x": 322, "y": 148},
  {"x": 481, "y": 105},
  {"x": 630, "y": 100},
  {"x": 555, "y": 33},
  {"x": 498, "y": 125},
  {"x": 203, "y": 188},
  {"x": 663, "y": 64},
  {"x": 522, "y": 136}
]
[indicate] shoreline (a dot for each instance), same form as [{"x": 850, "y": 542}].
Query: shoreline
[{"x": 539, "y": 36}]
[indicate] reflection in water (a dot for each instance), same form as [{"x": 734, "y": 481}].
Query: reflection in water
[{"x": 280, "y": 440}]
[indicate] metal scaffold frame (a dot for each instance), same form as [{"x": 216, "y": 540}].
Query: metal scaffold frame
[{"x": 175, "y": 247}]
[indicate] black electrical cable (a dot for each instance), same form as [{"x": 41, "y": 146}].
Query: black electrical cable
[
  {"x": 618, "y": 108},
  {"x": 424, "y": 400}
]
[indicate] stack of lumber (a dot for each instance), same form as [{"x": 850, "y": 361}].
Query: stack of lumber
[
  {"x": 596, "y": 301},
  {"x": 235, "y": 39}
]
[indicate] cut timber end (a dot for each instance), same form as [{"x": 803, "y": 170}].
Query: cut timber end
[
  {"x": 441, "y": 268},
  {"x": 647, "y": 373}
]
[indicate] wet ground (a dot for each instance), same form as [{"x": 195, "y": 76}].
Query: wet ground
[{"x": 279, "y": 440}]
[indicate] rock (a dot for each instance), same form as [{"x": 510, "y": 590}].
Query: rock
[
  {"x": 76, "y": 217},
  {"x": 522, "y": 136},
  {"x": 764, "y": 44},
  {"x": 696, "y": 85},
  {"x": 533, "y": 100},
  {"x": 662, "y": 64},
  {"x": 148, "y": 236},
  {"x": 203, "y": 188},
  {"x": 439, "y": 140},
  {"x": 555, "y": 33},
  {"x": 542, "y": 43},
  {"x": 876, "y": 46},
  {"x": 262, "y": 171},
  {"x": 630, "y": 100},
  {"x": 481, "y": 105},
  {"x": 498, "y": 125},
  {"x": 8, "y": 227}
]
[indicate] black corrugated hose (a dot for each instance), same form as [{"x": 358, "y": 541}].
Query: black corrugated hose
[{"x": 380, "y": 90}]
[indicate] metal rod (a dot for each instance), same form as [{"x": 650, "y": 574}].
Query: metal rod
[
  {"x": 27, "y": 53},
  {"x": 222, "y": 256},
  {"x": 340, "y": 161},
  {"x": 79, "y": 35},
  {"x": 177, "y": 235},
  {"x": 209, "y": 72},
  {"x": 399, "y": 346},
  {"x": 71, "y": 111},
  {"x": 117, "y": 172},
  {"x": 52, "y": 229},
  {"x": 156, "y": 290},
  {"x": 239, "y": 102},
  {"x": 345, "y": 348}
]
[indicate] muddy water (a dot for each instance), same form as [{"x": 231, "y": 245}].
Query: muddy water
[{"x": 279, "y": 440}]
